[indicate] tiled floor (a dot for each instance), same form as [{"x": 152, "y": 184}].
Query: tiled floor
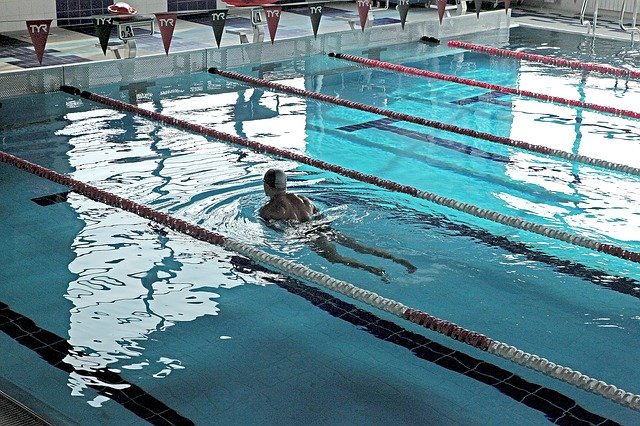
[{"x": 607, "y": 24}]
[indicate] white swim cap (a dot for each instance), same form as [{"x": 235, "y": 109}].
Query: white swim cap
[{"x": 276, "y": 178}]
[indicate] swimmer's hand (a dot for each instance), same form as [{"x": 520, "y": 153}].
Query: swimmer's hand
[
  {"x": 377, "y": 271},
  {"x": 410, "y": 266}
]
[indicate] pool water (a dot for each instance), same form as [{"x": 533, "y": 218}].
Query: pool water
[{"x": 152, "y": 325}]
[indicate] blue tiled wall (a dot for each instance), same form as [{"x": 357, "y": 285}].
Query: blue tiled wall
[
  {"x": 66, "y": 9},
  {"x": 182, "y": 5}
]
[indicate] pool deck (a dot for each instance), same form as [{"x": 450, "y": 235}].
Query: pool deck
[{"x": 77, "y": 45}]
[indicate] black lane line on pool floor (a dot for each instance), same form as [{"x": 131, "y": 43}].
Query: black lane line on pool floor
[
  {"x": 437, "y": 163},
  {"x": 53, "y": 349},
  {"x": 557, "y": 407},
  {"x": 425, "y": 122},
  {"x": 51, "y": 199},
  {"x": 513, "y": 221},
  {"x": 386, "y": 124},
  {"x": 419, "y": 72},
  {"x": 624, "y": 285},
  {"x": 489, "y": 97}
]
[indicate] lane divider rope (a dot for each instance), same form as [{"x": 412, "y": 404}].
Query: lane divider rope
[
  {"x": 373, "y": 180},
  {"x": 489, "y": 86},
  {"x": 416, "y": 316},
  {"x": 429, "y": 123},
  {"x": 549, "y": 60}
]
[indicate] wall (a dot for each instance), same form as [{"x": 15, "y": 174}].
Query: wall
[{"x": 13, "y": 13}]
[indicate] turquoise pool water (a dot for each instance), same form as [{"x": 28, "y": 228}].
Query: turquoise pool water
[{"x": 151, "y": 324}]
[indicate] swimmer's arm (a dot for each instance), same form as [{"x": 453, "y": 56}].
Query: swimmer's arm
[{"x": 307, "y": 202}]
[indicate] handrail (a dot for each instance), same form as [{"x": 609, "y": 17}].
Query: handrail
[
  {"x": 633, "y": 29},
  {"x": 591, "y": 28}
]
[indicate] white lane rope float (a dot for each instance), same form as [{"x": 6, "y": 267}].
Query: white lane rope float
[
  {"x": 578, "y": 158},
  {"x": 416, "y": 316},
  {"x": 373, "y": 180}
]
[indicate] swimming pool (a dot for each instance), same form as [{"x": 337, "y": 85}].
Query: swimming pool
[{"x": 141, "y": 322}]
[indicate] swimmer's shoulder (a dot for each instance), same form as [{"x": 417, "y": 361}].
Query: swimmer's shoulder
[{"x": 272, "y": 211}]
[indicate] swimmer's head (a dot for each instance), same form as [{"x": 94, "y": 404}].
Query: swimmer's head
[{"x": 276, "y": 179}]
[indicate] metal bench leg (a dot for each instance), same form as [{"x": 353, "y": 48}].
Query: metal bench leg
[
  {"x": 130, "y": 49},
  {"x": 258, "y": 34}
]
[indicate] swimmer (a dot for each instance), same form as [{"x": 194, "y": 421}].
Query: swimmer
[{"x": 293, "y": 208}]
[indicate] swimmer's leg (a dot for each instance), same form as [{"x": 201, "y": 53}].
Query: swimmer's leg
[
  {"x": 326, "y": 249},
  {"x": 355, "y": 245}
]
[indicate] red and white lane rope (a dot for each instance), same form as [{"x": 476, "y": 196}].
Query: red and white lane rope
[
  {"x": 549, "y": 60},
  {"x": 415, "y": 316},
  {"x": 489, "y": 86},
  {"x": 373, "y": 180},
  {"x": 430, "y": 123}
]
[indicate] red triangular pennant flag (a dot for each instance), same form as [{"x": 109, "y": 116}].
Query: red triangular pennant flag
[
  {"x": 315, "y": 13},
  {"x": 272, "y": 13},
  {"x": 167, "y": 23},
  {"x": 363, "y": 11},
  {"x": 507, "y": 3},
  {"x": 39, "y": 32},
  {"x": 442, "y": 5},
  {"x": 218, "y": 19}
]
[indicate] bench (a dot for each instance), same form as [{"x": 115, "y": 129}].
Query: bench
[{"x": 126, "y": 48}]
